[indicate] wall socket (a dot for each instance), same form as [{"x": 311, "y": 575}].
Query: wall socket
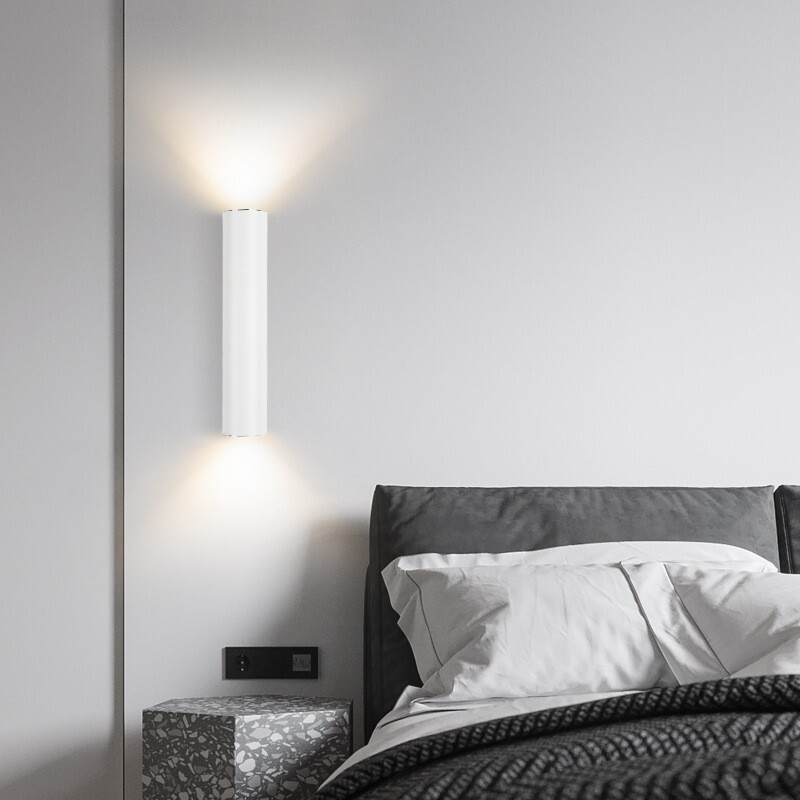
[{"x": 271, "y": 662}]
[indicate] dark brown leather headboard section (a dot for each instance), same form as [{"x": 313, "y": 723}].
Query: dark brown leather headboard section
[{"x": 407, "y": 520}]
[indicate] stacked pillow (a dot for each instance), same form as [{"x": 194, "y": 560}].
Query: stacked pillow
[{"x": 590, "y": 618}]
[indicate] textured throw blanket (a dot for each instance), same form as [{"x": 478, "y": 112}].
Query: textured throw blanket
[{"x": 734, "y": 738}]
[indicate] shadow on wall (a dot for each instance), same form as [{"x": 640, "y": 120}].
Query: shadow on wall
[
  {"x": 85, "y": 772},
  {"x": 328, "y": 606}
]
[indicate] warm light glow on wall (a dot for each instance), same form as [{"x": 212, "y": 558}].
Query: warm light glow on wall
[
  {"x": 246, "y": 146},
  {"x": 247, "y": 487}
]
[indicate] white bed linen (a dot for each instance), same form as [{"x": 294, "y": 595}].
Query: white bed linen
[
  {"x": 740, "y": 623},
  {"x": 510, "y": 625},
  {"x": 535, "y": 629},
  {"x": 739, "y": 612},
  {"x": 424, "y": 719},
  {"x": 405, "y": 593}
]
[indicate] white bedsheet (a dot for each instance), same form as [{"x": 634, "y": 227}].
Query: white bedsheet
[{"x": 423, "y": 719}]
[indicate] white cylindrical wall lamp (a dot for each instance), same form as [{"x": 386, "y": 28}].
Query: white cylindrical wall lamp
[{"x": 244, "y": 322}]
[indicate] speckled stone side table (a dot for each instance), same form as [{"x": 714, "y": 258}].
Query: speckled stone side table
[{"x": 242, "y": 748}]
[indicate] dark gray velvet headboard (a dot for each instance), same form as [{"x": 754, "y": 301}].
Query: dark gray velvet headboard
[{"x": 407, "y": 520}]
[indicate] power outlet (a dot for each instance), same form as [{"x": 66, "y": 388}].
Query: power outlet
[{"x": 271, "y": 662}]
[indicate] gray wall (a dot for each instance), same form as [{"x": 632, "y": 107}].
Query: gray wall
[
  {"x": 510, "y": 243},
  {"x": 60, "y": 724}
]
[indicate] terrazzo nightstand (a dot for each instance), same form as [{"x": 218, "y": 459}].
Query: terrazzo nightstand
[{"x": 243, "y": 748}]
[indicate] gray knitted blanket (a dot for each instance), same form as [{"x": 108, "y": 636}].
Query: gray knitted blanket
[{"x": 734, "y": 738}]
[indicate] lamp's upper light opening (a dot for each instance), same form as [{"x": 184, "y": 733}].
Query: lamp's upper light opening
[{"x": 244, "y": 322}]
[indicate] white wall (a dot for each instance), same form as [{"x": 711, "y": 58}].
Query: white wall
[
  {"x": 510, "y": 243},
  {"x": 60, "y": 690}
]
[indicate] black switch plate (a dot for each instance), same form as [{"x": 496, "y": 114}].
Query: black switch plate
[{"x": 272, "y": 662}]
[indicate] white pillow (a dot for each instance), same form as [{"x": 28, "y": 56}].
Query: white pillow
[
  {"x": 516, "y": 631},
  {"x": 405, "y": 598},
  {"x": 687, "y": 609},
  {"x": 750, "y": 620}
]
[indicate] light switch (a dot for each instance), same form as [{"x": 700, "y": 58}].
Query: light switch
[{"x": 301, "y": 662}]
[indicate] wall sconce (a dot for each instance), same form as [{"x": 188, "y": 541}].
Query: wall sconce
[{"x": 244, "y": 322}]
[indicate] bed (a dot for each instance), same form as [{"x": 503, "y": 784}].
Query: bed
[{"x": 735, "y": 733}]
